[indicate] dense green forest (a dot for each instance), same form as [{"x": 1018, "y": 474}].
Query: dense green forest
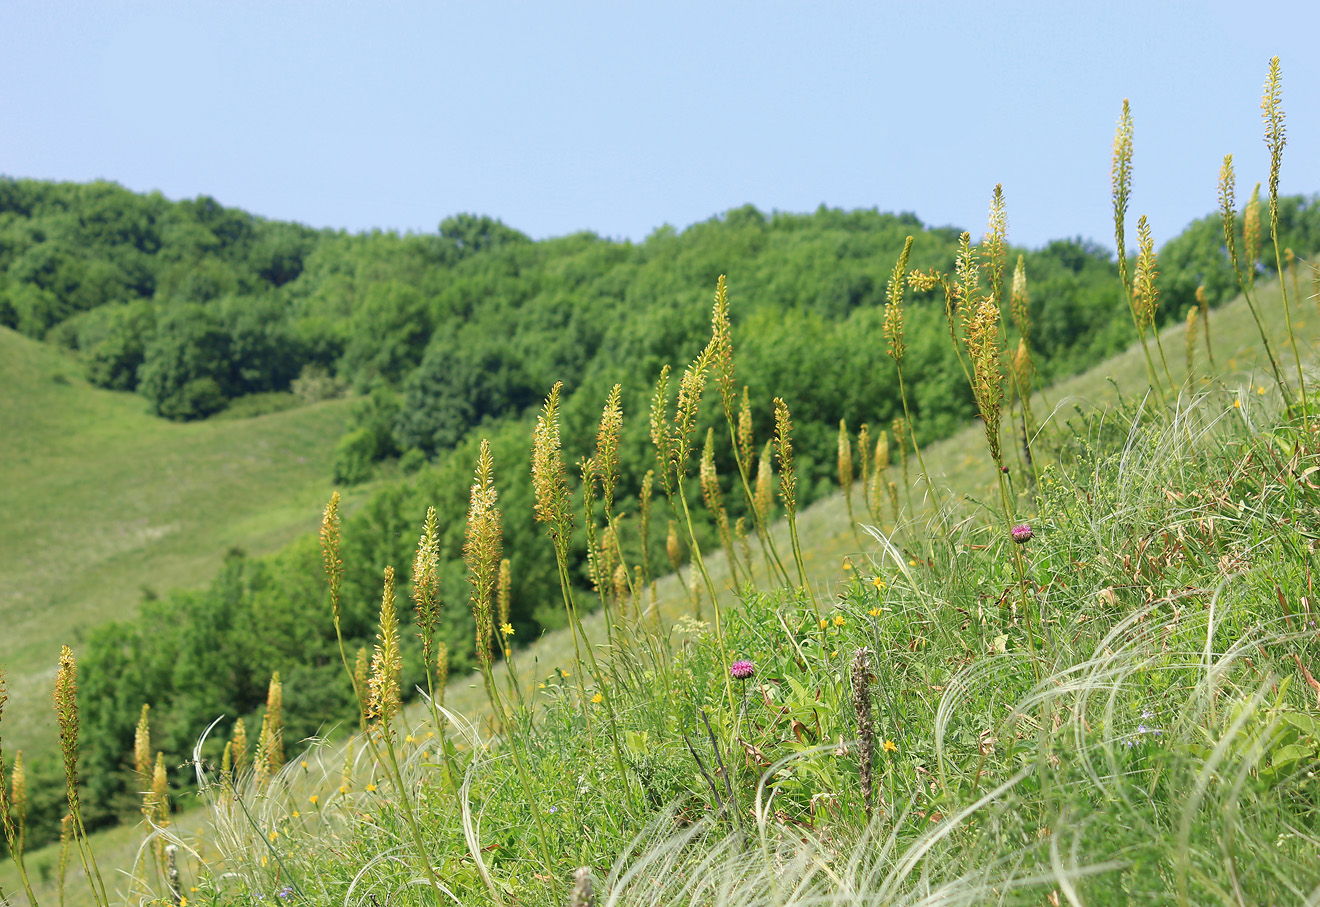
[{"x": 204, "y": 310}]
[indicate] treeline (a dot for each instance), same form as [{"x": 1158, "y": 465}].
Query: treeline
[{"x": 457, "y": 334}]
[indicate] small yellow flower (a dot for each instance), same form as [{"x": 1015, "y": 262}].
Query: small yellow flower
[
  {"x": 912, "y": 562},
  {"x": 563, "y": 673},
  {"x": 1237, "y": 404},
  {"x": 275, "y": 833},
  {"x": 824, "y": 623},
  {"x": 874, "y": 612},
  {"x": 183, "y": 901},
  {"x": 408, "y": 739},
  {"x": 598, "y": 699},
  {"x": 847, "y": 565},
  {"x": 264, "y": 861},
  {"x": 371, "y": 787},
  {"x": 506, "y": 629},
  {"x": 313, "y": 799},
  {"x": 304, "y": 764},
  {"x": 878, "y": 582},
  {"x": 540, "y": 686},
  {"x": 296, "y": 814},
  {"x": 834, "y": 654},
  {"x": 890, "y": 746},
  {"x": 343, "y": 788},
  {"x": 430, "y": 734},
  {"x": 1260, "y": 390},
  {"x": 839, "y": 620}
]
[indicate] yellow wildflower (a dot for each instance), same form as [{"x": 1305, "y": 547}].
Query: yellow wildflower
[
  {"x": 878, "y": 582},
  {"x": 598, "y": 699},
  {"x": 371, "y": 787},
  {"x": 875, "y": 612},
  {"x": 506, "y": 629},
  {"x": 343, "y": 788},
  {"x": 313, "y": 799},
  {"x": 839, "y": 620},
  {"x": 890, "y": 746}
]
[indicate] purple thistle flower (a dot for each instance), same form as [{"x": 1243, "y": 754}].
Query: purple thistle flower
[
  {"x": 741, "y": 670},
  {"x": 1022, "y": 533}
]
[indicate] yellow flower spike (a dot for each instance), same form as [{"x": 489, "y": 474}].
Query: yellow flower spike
[{"x": 890, "y": 746}]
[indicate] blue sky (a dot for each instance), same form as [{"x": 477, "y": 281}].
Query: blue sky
[{"x": 620, "y": 117}]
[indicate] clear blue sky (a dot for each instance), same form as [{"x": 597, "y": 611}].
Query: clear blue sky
[{"x": 619, "y": 117}]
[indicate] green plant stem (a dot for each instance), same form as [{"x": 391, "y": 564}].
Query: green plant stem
[
  {"x": 409, "y": 813},
  {"x": 767, "y": 541},
  {"x": 912, "y": 433},
  {"x": 1287, "y": 313},
  {"x": 710, "y": 588}
]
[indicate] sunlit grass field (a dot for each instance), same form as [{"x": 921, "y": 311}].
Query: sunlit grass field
[{"x": 104, "y": 503}]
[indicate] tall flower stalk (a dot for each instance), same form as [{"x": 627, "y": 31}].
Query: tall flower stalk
[
  {"x": 1271, "y": 105},
  {"x": 66, "y": 715},
  {"x": 897, "y": 348},
  {"x": 12, "y": 833}
]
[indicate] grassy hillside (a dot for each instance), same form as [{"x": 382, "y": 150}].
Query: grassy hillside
[
  {"x": 104, "y": 503},
  {"x": 831, "y": 550}
]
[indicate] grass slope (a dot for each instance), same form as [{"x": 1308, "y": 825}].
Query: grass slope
[
  {"x": 102, "y": 501},
  {"x": 829, "y": 544}
]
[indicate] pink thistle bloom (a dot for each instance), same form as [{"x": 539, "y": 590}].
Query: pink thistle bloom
[
  {"x": 1022, "y": 533},
  {"x": 741, "y": 670}
]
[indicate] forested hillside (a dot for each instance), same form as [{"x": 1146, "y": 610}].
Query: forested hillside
[{"x": 445, "y": 336}]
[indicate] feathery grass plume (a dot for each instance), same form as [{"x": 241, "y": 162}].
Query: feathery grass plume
[
  {"x": 763, "y": 500},
  {"x": 894, "y": 306},
  {"x": 160, "y": 793},
  {"x": 621, "y": 597},
  {"x": 861, "y": 702},
  {"x": 1228, "y": 217},
  {"x": 549, "y": 478},
  {"x": 1193, "y": 314},
  {"x": 721, "y": 348},
  {"x": 788, "y": 493},
  {"x": 66, "y": 716},
  {"x": 893, "y": 499},
  {"x": 1145, "y": 293},
  {"x": 607, "y": 447},
  {"x": 1121, "y": 179},
  {"x": 334, "y": 566},
  {"x": 713, "y": 497},
  {"x": 993, "y": 249},
  {"x": 383, "y": 700},
  {"x": 13, "y": 834},
  {"x": 1020, "y": 301},
  {"x": 240, "y": 748},
  {"x": 672, "y": 547},
  {"x": 1251, "y": 235},
  {"x": 746, "y": 437},
  {"x": 270, "y": 743},
  {"x": 985, "y": 351},
  {"x": 690, "y": 388},
  {"x": 644, "y": 521},
  {"x": 846, "y": 469},
  {"x": 1271, "y": 105},
  {"x": 227, "y": 761},
  {"x": 504, "y": 598},
  {"x": 426, "y": 584},
  {"x": 584, "y": 892},
  {"x": 142, "y": 748},
  {"x": 864, "y": 461},
  {"x": 1204, "y": 305},
  {"x": 660, "y": 429},
  {"x": 18, "y": 799},
  {"x": 172, "y": 874},
  {"x": 482, "y": 550}
]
